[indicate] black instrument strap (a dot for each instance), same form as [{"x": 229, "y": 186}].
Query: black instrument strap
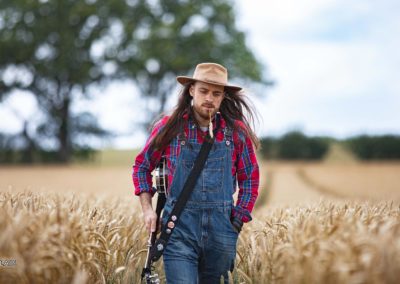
[
  {"x": 146, "y": 272},
  {"x": 160, "y": 244}
]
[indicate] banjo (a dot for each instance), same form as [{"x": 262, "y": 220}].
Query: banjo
[
  {"x": 160, "y": 180},
  {"x": 161, "y": 176}
]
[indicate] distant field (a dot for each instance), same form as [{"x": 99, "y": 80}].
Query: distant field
[
  {"x": 367, "y": 181},
  {"x": 282, "y": 183},
  {"x": 286, "y": 183},
  {"x": 112, "y": 157},
  {"x": 78, "y": 179}
]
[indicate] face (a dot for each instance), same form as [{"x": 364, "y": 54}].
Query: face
[{"x": 206, "y": 98}]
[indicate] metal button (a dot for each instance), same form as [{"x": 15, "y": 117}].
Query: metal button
[
  {"x": 183, "y": 142},
  {"x": 168, "y": 231},
  {"x": 160, "y": 247},
  {"x": 173, "y": 218},
  {"x": 171, "y": 225},
  {"x": 228, "y": 142}
]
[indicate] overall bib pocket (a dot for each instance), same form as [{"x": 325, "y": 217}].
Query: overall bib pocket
[{"x": 211, "y": 177}]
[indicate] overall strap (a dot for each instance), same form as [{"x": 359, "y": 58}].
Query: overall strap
[
  {"x": 182, "y": 135},
  {"x": 228, "y": 133}
]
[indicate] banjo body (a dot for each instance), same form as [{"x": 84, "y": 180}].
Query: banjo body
[{"x": 161, "y": 176}]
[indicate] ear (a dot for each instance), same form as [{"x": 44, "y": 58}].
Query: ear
[{"x": 191, "y": 90}]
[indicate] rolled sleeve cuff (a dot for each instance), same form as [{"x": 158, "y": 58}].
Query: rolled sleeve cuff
[
  {"x": 151, "y": 190},
  {"x": 242, "y": 214}
]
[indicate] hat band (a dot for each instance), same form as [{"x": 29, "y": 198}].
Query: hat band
[{"x": 211, "y": 81}]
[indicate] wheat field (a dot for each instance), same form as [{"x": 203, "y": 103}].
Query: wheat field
[{"x": 82, "y": 225}]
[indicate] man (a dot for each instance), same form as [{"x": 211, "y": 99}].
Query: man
[{"x": 202, "y": 247}]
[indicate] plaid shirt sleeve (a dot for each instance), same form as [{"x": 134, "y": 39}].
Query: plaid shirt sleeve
[
  {"x": 248, "y": 177},
  {"x": 146, "y": 161}
]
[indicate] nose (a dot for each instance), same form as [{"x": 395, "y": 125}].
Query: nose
[{"x": 208, "y": 97}]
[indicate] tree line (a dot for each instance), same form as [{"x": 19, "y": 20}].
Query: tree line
[{"x": 295, "y": 145}]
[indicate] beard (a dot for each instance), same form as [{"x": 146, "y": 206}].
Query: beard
[{"x": 203, "y": 112}]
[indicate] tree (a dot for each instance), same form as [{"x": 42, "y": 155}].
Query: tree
[
  {"x": 57, "y": 49},
  {"x": 177, "y": 35}
]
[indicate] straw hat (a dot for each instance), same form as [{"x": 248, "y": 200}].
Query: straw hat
[{"x": 211, "y": 73}]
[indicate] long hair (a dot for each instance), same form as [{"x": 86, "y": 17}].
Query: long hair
[{"x": 234, "y": 107}]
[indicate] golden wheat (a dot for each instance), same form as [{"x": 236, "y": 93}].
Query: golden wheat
[
  {"x": 66, "y": 238},
  {"x": 63, "y": 238}
]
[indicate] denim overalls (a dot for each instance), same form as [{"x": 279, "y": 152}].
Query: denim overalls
[{"x": 202, "y": 247}]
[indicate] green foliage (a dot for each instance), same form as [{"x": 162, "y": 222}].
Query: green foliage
[
  {"x": 295, "y": 146},
  {"x": 46, "y": 50},
  {"x": 386, "y": 147},
  {"x": 177, "y": 35},
  {"x": 57, "y": 49},
  {"x": 269, "y": 147},
  {"x": 26, "y": 154}
]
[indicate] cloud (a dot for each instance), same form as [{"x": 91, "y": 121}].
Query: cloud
[{"x": 336, "y": 63}]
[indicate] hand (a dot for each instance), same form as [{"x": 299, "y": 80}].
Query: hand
[
  {"x": 237, "y": 224},
  {"x": 149, "y": 215},
  {"x": 150, "y": 220}
]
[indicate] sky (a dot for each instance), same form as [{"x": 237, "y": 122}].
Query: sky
[{"x": 335, "y": 63}]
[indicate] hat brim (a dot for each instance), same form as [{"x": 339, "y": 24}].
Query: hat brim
[{"x": 184, "y": 80}]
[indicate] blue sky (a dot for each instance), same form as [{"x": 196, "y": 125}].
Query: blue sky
[{"x": 336, "y": 64}]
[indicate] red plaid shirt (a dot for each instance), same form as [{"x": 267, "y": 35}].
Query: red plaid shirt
[{"x": 244, "y": 164}]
